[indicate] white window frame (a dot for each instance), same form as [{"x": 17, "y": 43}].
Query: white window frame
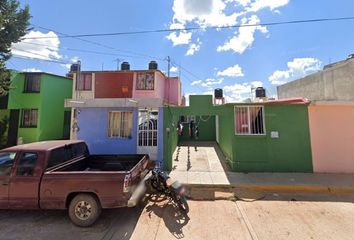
[
  {"x": 110, "y": 133},
  {"x": 248, "y": 120}
]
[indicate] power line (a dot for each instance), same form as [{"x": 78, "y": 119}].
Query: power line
[
  {"x": 194, "y": 28},
  {"x": 39, "y": 59},
  {"x": 64, "y": 35}
]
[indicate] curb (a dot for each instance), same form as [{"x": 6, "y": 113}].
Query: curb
[{"x": 198, "y": 190}]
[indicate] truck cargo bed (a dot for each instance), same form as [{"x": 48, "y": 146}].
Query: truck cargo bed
[{"x": 103, "y": 163}]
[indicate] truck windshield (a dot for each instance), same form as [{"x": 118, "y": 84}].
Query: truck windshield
[{"x": 66, "y": 153}]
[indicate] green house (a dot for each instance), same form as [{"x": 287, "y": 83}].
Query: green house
[
  {"x": 271, "y": 136},
  {"x": 34, "y": 108}
]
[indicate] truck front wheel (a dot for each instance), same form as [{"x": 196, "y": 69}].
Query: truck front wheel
[{"x": 84, "y": 209}]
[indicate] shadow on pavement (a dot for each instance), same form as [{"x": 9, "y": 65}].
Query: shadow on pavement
[{"x": 173, "y": 218}]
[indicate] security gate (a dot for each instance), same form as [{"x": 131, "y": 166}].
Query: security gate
[{"x": 147, "y": 133}]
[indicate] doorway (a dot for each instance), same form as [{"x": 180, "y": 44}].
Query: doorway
[
  {"x": 13, "y": 127},
  {"x": 148, "y": 133}
]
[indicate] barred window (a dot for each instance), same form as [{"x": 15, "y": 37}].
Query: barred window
[
  {"x": 120, "y": 124},
  {"x": 29, "y": 118},
  {"x": 32, "y": 83},
  {"x": 145, "y": 81},
  {"x": 249, "y": 120}
]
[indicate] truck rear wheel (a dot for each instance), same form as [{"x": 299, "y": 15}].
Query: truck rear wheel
[{"x": 84, "y": 210}]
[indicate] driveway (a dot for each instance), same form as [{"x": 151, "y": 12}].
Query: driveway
[{"x": 274, "y": 217}]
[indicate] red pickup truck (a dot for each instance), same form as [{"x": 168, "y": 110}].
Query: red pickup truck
[{"x": 63, "y": 175}]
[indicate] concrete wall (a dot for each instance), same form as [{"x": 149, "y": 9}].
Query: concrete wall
[
  {"x": 333, "y": 83},
  {"x": 332, "y": 138}
]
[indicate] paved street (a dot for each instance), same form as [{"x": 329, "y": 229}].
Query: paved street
[{"x": 273, "y": 217}]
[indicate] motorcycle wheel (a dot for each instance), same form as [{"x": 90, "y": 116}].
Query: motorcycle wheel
[{"x": 182, "y": 203}]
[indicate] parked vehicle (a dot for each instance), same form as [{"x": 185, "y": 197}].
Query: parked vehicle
[
  {"x": 163, "y": 183},
  {"x": 63, "y": 175}
]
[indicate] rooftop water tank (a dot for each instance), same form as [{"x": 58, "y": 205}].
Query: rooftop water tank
[
  {"x": 125, "y": 66},
  {"x": 260, "y": 92},
  {"x": 218, "y": 93},
  {"x": 153, "y": 65}
]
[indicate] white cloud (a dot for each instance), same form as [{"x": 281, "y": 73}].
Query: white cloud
[
  {"x": 234, "y": 71},
  {"x": 245, "y": 37},
  {"x": 203, "y": 12},
  {"x": 193, "y": 48},
  {"x": 297, "y": 68},
  {"x": 180, "y": 38},
  {"x": 31, "y": 70},
  {"x": 208, "y": 83},
  {"x": 174, "y": 69},
  {"x": 272, "y": 4},
  {"x": 40, "y": 48},
  {"x": 239, "y": 92}
]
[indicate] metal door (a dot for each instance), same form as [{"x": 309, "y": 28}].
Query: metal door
[
  {"x": 148, "y": 133},
  {"x": 13, "y": 127}
]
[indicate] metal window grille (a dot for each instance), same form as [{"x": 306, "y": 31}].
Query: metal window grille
[
  {"x": 249, "y": 120},
  {"x": 120, "y": 124},
  {"x": 147, "y": 129},
  {"x": 145, "y": 81}
]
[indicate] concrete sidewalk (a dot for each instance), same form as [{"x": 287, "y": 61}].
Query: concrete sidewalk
[{"x": 278, "y": 182}]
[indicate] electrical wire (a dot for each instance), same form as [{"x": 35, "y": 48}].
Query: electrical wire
[{"x": 198, "y": 28}]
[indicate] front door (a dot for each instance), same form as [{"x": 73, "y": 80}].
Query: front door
[
  {"x": 13, "y": 127},
  {"x": 147, "y": 133}
]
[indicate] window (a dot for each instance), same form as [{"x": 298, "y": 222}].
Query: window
[
  {"x": 29, "y": 118},
  {"x": 84, "y": 82},
  {"x": 120, "y": 124},
  {"x": 26, "y": 164},
  {"x": 32, "y": 82},
  {"x": 145, "y": 81},
  {"x": 6, "y": 162},
  {"x": 63, "y": 154},
  {"x": 249, "y": 120}
]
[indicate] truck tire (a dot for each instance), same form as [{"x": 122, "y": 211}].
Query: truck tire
[{"x": 84, "y": 209}]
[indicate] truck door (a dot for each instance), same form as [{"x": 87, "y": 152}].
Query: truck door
[
  {"x": 7, "y": 160},
  {"x": 24, "y": 184}
]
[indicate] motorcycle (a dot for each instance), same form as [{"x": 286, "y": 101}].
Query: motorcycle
[{"x": 163, "y": 183}]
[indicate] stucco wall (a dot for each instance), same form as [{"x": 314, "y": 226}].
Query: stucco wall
[
  {"x": 332, "y": 138},
  {"x": 333, "y": 83},
  {"x": 93, "y": 124}
]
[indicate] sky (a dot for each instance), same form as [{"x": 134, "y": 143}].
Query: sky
[{"x": 234, "y": 59}]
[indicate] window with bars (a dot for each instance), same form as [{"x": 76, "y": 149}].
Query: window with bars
[
  {"x": 32, "y": 83},
  {"x": 120, "y": 124},
  {"x": 249, "y": 120},
  {"x": 29, "y": 118},
  {"x": 84, "y": 82},
  {"x": 145, "y": 81}
]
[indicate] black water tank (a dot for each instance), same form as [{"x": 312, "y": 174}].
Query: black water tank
[
  {"x": 125, "y": 66},
  {"x": 75, "y": 67},
  {"x": 153, "y": 65},
  {"x": 260, "y": 92},
  {"x": 218, "y": 93}
]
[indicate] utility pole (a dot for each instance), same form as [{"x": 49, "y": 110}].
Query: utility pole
[
  {"x": 168, "y": 65},
  {"x": 118, "y": 60}
]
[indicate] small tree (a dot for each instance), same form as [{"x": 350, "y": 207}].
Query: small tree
[{"x": 14, "y": 24}]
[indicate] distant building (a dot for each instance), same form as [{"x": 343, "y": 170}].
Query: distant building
[
  {"x": 121, "y": 112},
  {"x": 334, "y": 83},
  {"x": 34, "y": 108}
]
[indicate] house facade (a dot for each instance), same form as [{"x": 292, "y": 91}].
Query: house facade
[
  {"x": 34, "y": 109},
  {"x": 270, "y": 136},
  {"x": 121, "y": 112}
]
